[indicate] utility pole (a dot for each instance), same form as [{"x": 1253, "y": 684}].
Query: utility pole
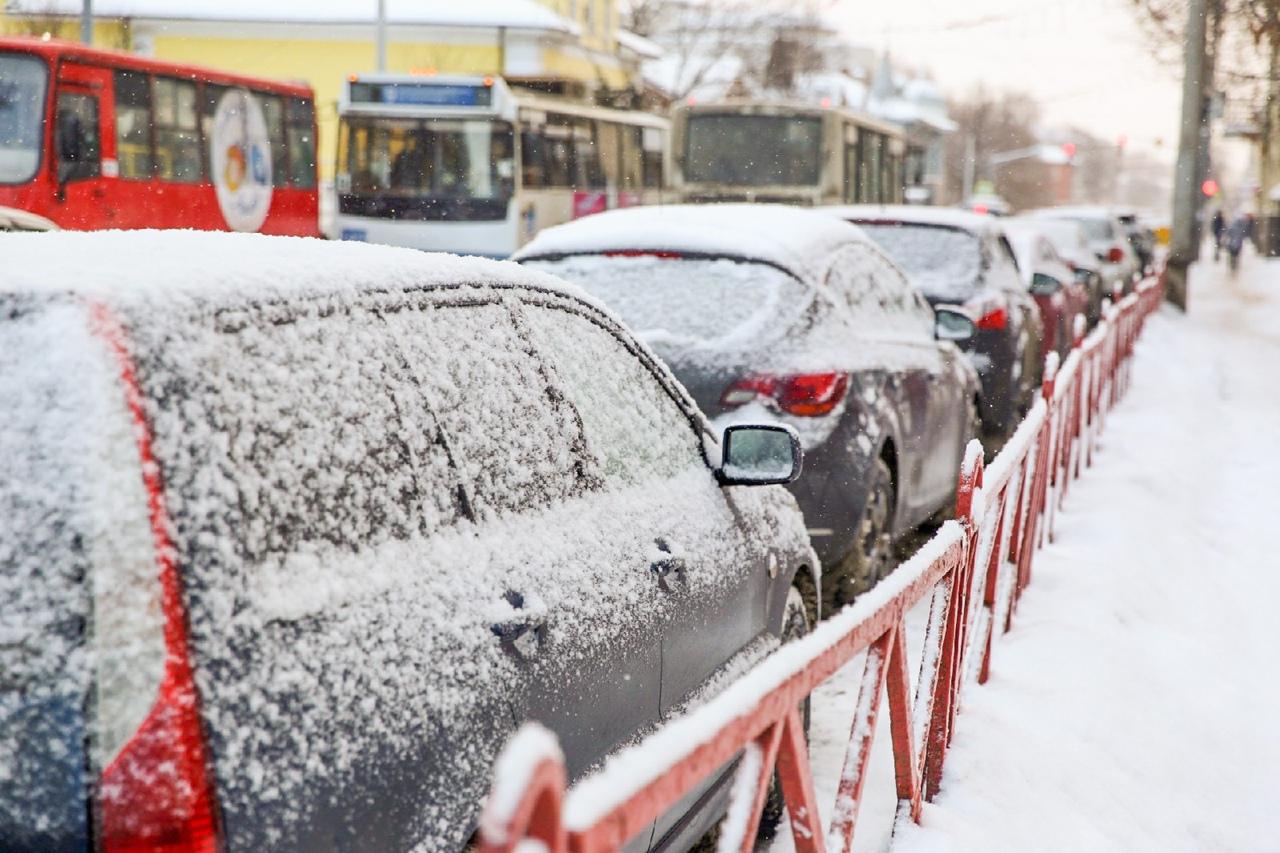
[
  {"x": 381, "y": 37},
  {"x": 1185, "y": 249},
  {"x": 86, "y": 22}
]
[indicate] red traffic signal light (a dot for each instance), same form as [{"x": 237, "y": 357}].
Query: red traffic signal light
[
  {"x": 1209, "y": 187},
  {"x": 1069, "y": 148}
]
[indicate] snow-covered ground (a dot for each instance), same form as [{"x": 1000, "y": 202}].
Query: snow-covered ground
[{"x": 1134, "y": 706}]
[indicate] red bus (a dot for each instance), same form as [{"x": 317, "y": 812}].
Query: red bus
[{"x": 95, "y": 139}]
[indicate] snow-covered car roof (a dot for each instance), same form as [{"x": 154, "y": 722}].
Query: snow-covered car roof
[
  {"x": 1023, "y": 237},
  {"x": 797, "y": 240},
  {"x": 201, "y": 266},
  {"x": 12, "y": 219},
  {"x": 950, "y": 217},
  {"x": 1066, "y": 235},
  {"x": 1078, "y": 211}
]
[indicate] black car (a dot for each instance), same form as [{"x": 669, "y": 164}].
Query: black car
[
  {"x": 962, "y": 258},
  {"x": 771, "y": 312},
  {"x": 293, "y": 536}
]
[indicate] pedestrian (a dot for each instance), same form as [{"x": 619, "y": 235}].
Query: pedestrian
[
  {"x": 1240, "y": 230},
  {"x": 1219, "y": 226}
]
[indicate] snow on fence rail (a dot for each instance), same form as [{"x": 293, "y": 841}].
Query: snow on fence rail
[{"x": 975, "y": 569}]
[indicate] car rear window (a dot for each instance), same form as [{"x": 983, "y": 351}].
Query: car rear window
[
  {"x": 713, "y": 303},
  {"x": 943, "y": 262},
  {"x": 1096, "y": 228}
]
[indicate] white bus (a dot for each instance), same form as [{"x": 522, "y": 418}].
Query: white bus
[
  {"x": 473, "y": 166},
  {"x": 787, "y": 153}
]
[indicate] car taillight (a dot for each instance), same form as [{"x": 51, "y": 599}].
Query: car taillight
[
  {"x": 993, "y": 320},
  {"x": 155, "y": 793},
  {"x": 1115, "y": 255},
  {"x": 803, "y": 394}
]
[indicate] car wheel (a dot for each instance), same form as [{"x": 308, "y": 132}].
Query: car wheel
[
  {"x": 872, "y": 554},
  {"x": 795, "y": 624}
]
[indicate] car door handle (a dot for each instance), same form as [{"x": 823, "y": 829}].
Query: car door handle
[
  {"x": 524, "y": 633},
  {"x": 522, "y": 636},
  {"x": 665, "y": 568}
]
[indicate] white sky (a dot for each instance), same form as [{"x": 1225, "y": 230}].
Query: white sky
[{"x": 1087, "y": 61}]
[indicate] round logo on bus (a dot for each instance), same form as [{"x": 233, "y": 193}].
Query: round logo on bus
[{"x": 240, "y": 160}]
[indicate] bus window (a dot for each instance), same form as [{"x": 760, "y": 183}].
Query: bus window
[
  {"x": 273, "y": 112},
  {"x": 532, "y": 171},
  {"x": 23, "y": 82},
  {"x": 133, "y": 125},
  {"x": 557, "y": 152},
  {"x": 177, "y": 153},
  {"x": 653, "y": 143},
  {"x": 79, "y": 148},
  {"x": 440, "y": 158},
  {"x": 300, "y": 128},
  {"x": 851, "y": 171}
]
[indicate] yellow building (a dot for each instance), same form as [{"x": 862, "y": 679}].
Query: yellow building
[{"x": 569, "y": 46}]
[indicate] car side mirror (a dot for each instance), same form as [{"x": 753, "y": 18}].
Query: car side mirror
[
  {"x": 952, "y": 324},
  {"x": 1044, "y": 285},
  {"x": 760, "y": 455}
]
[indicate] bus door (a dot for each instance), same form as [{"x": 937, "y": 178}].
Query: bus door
[{"x": 83, "y": 162}]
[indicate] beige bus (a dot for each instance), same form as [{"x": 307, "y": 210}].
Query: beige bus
[{"x": 787, "y": 153}]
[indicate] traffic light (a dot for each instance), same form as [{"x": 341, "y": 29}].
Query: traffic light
[
  {"x": 1209, "y": 188},
  {"x": 1069, "y": 148}
]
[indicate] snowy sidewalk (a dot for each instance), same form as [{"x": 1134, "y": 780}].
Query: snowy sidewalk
[{"x": 1135, "y": 705}]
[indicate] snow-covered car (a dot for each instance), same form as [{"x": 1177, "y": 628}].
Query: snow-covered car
[
  {"x": 1109, "y": 240},
  {"x": 765, "y": 311},
  {"x": 292, "y": 533},
  {"x": 1072, "y": 245},
  {"x": 963, "y": 258},
  {"x": 12, "y": 219},
  {"x": 1050, "y": 281}
]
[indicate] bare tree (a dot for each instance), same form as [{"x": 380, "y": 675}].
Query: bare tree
[{"x": 740, "y": 45}]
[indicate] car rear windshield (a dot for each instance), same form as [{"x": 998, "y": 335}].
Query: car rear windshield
[
  {"x": 704, "y": 302},
  {"x": 1096, "y": 228},
  {"x": 943, "y": 262}
]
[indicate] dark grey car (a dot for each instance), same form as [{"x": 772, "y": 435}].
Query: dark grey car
[
  {"x": 962, "y": 258},
  {"x": 774, "y": 312},
  {"x": 292, "y": 538}
]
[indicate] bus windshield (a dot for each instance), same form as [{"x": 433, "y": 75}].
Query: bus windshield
[
  {"x": 428, "y": 158},
  {"x": 23, "y": 80},
  {"x": 753, "y": 150}
]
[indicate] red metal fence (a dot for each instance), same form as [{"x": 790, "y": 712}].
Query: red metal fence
[{"x": 975, "y": 569}]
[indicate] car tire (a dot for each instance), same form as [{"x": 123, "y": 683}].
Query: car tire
[
  {"x": 795, "y": 624},
  {"x": 871, "y": 556}
]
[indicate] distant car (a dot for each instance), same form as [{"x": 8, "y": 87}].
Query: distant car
[
  {"x": 963, "y": 258},
  {"x": 766, "y": 312},
  {"x": 292, "y": 536},
  {"x": 1142, "y": 238},
  {"x": 12, "y": 219},
  {"x": 1059, "y": 296},
  {"x": 1109, "y": 240},
  {"x": 1069, "y": 240}
]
